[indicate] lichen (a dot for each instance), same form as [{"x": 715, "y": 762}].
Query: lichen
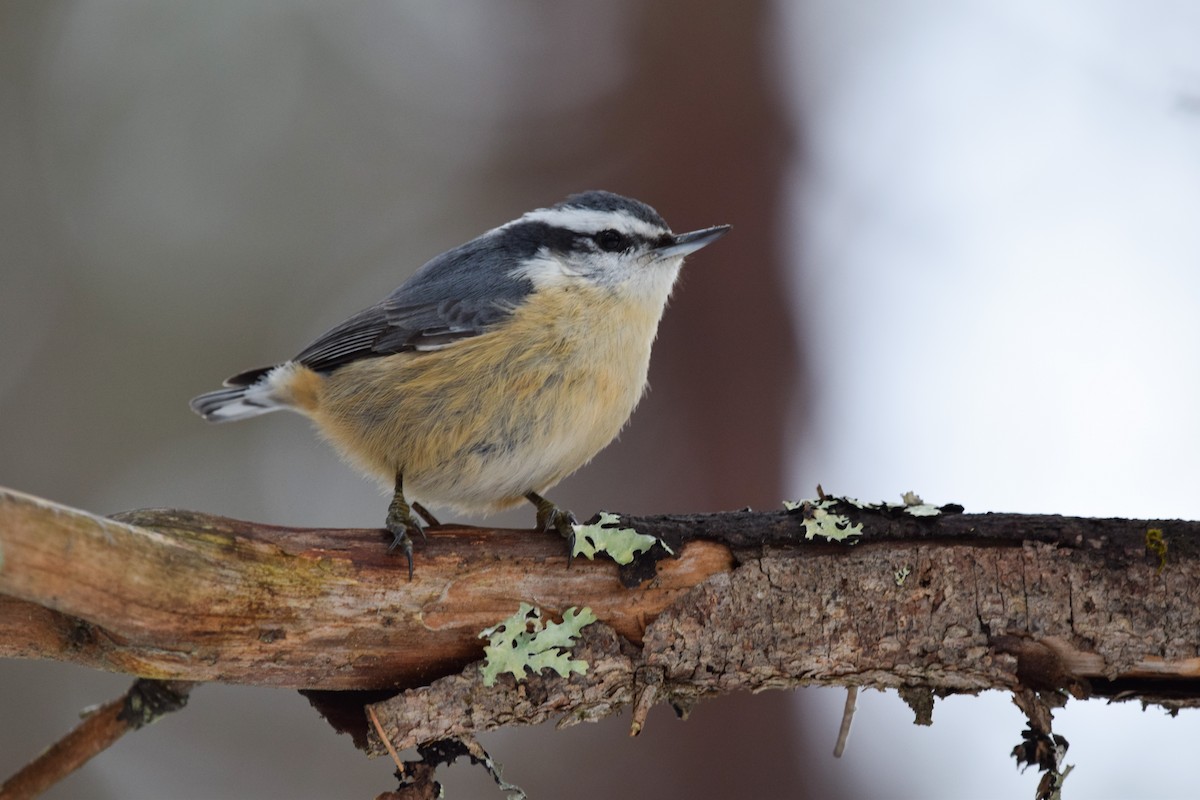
[
  {"x": 525, "y": 642},
  {"x": 912, "y": 504},
  {"x": 820, "y": 521},
  {"x": 621, "y": 544},
  {"x": 1157, "y": 544}
]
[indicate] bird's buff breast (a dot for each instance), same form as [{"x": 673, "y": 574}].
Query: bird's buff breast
[{"x": 480, "y": 423}]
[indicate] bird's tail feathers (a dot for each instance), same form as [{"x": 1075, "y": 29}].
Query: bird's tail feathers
[{"x": 241, "y": 400}]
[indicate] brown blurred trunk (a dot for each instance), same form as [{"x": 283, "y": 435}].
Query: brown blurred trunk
[
  {"x": 710, "y": 144},
  {"x": 697, "y": 130}
]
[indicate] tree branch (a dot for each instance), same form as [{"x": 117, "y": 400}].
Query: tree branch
[
  {"x": 941, "y": 604},
  {"x": 179, "y": 595},
  {"x": 951, "y": 604}
]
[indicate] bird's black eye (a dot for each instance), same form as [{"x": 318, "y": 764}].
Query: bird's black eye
[{"x": 610, "y": 241}]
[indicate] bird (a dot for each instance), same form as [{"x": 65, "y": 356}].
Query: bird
[{"x": 497, "y": 369}]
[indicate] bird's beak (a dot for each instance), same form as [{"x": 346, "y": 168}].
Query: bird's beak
[{"x": 683, "y": 243}]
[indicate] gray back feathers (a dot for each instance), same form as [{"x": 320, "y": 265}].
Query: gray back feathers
[{"x": 455, "y": 295}]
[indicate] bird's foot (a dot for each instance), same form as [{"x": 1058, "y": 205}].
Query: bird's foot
[
  {"x": 400, "y": 523},
  {"x": 552, "y": 518}
]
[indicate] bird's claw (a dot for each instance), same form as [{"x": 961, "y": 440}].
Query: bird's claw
[
  {"x": 400, "y": 521},
  {"x": 552, "y": 518}
]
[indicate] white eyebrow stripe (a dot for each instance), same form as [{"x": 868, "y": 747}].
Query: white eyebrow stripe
[{"x": 589, "y": 221}]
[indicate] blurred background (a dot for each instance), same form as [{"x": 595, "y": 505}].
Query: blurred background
[{"x": 965, "y": 261}]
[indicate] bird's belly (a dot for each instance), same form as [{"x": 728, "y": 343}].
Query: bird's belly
[
  {"x": 479, "y": 424},
  {"x": 533, "y": 431}
]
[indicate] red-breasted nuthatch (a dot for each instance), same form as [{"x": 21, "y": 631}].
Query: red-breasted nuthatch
[{"x": 499, "y": 368}]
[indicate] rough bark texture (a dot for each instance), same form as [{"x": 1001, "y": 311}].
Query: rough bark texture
[
  {"x": 1095, "y": 616},
  {"x": 946, "y": 603}
]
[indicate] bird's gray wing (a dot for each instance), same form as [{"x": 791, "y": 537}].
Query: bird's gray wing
[{"x": 459, "y": 294}]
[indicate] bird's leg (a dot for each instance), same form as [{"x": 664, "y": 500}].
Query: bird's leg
[
  {"x": 552, "y": 518},
  {"x": 400, "y": 521}
]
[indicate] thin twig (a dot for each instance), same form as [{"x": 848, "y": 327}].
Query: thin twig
[
  {"x": 383, "y": 737},
  {"x": 100, "y": 729},
  {"x": 847, "y": 718}
]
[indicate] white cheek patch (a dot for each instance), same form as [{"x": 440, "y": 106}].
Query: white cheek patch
[
  {"x": 587, "y": 222},
  {"x": 545, "y": 271},
  {"x": 640, "y": 283}
]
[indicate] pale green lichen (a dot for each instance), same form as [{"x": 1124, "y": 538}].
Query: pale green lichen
[
  {"x": 524, "y": 641},
  {"x": 901, "y": 575},
  {"x": 923, "y": 510},
  {"x": 820, "y": 521},
  {"x": 912, "y": 504},
  {"x": 621, "y": 544}
]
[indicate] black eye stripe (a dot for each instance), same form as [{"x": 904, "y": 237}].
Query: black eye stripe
[{"x": 531, "y": 236}]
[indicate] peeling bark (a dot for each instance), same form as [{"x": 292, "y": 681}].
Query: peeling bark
[
  {"x": 1086, "y": 611},
  {"x": 949, "y": 603}
]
